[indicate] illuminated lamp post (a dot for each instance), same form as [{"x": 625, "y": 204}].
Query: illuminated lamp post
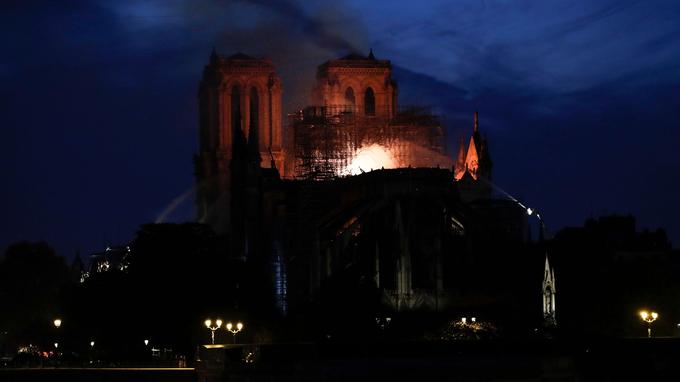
[
  {"x": 57, "y": 325},
  {"x": 383, "y": 322},
  {"x": 234, "y": 330},
  {"x": 649, "y": 317},
  {"x": 209, "y": 325}
]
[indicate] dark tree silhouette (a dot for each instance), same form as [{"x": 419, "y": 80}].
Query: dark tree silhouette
[{"x": 31, "y": 278}]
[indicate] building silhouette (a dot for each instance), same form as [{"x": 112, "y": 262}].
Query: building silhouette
[{"x": 410, "y": 231}]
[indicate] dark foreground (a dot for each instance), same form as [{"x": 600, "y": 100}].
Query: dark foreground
[{"x": 554, "y": 360}]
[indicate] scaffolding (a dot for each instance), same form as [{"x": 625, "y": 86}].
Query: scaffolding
[{"x": 327, "y": 138}]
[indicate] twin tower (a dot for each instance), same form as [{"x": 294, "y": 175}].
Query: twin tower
[
  {"x": 240, "y": 104},
  {"x": 238, "y": 95}
]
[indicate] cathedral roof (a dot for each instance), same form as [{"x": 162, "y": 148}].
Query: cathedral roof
[
  {"x": 356, "y": 60},
  {"x": 358, "y": 56},
  {"x": 241, "y": 56},
  {"x": 355, "y": 56},
  {"x": 240, "y": 60}
]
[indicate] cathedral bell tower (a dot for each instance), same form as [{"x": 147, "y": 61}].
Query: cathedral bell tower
[
  {"x": 239, "y": 99},
  {"x": 362, "y": 85}
]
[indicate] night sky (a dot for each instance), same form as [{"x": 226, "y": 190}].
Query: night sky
[{"x": 98, "y": 100}]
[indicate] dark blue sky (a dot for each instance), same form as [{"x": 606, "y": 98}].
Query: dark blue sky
[{"x": 98, "y": 119}]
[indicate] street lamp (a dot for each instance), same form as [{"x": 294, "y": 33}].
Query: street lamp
[
  {"x": 649, "y": 317},
  {"x": 209, "y": 325},
  {"x": 383, "y": 322},
  {"x": 57, "y": 324},
  {"x": 234, "y": 330}
]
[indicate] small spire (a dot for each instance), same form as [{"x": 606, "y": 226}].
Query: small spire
[
  {"x": 476, "y": 122},
  {"x": 213, "y": 55},
  {"x": 370, "y": 55}
]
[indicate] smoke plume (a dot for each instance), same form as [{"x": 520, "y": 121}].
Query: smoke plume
[{"x": 295, "y": 38}]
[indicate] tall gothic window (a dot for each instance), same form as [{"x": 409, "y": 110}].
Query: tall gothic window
[
  {"x": 254, "y": 112},
  {"x": 349, "y": 96},
  {"x": 369, "y": 102},
  {"x": 235, "y": 108}
]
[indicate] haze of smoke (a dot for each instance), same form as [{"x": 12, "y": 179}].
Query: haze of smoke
[
  {"x": 316, "y": 29},
  {"x": 296, "y": 41}
]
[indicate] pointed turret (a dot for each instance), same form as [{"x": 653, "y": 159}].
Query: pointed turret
[
  {"x": 549, "y": 292},
  {"x": 485, "y": 163},
  {"x": 472, "y": 159},
  {"x": 475, "y": 159},
  {"x": 214, "y": 57},
  {"x": 370, "y": 55},
  {"x": 459, "y": 168},
  {"x": 476, "y": 129}
]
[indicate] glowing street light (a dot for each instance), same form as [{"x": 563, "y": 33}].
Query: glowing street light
[
  {"x": 383, "y": 322},
  {"x": 57, "y": 324},
  {"x": 209, "y": 325},
  {"x": 649, "y": 317},
  {"x": 234, "y": 330}
]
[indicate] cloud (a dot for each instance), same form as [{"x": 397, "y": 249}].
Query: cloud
[
  {"x": 544, "y": 47},
  {"x": 579, "y": 99}
]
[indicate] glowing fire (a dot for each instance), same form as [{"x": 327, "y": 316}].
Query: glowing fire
[{"x": 373, "y": 157}]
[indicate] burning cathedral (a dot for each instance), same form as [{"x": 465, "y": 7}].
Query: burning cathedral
[{"x": 353, "y": 200}]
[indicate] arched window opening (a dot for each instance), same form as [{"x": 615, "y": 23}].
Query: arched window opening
[
  {"x": 235, "y": 108},
  {"x": 349, "y": 96},
  {"x": 369, "y": 102},
  {"x": 254, "y": 112}
]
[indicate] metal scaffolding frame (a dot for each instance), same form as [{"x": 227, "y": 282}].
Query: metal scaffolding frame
[{"x": 326, "y": 138}]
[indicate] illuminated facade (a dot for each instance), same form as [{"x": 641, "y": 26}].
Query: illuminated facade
[
  {"x": 355, "y": 125},
  {"x": 239, "y": 98},
  {"x": 363, "y": 197},
  {"x": 360, "y": 84}
]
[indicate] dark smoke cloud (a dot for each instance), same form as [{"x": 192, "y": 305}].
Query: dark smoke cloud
[
  {"x": 318, "y": 30},
  {"x": 296, "y": 39}
]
